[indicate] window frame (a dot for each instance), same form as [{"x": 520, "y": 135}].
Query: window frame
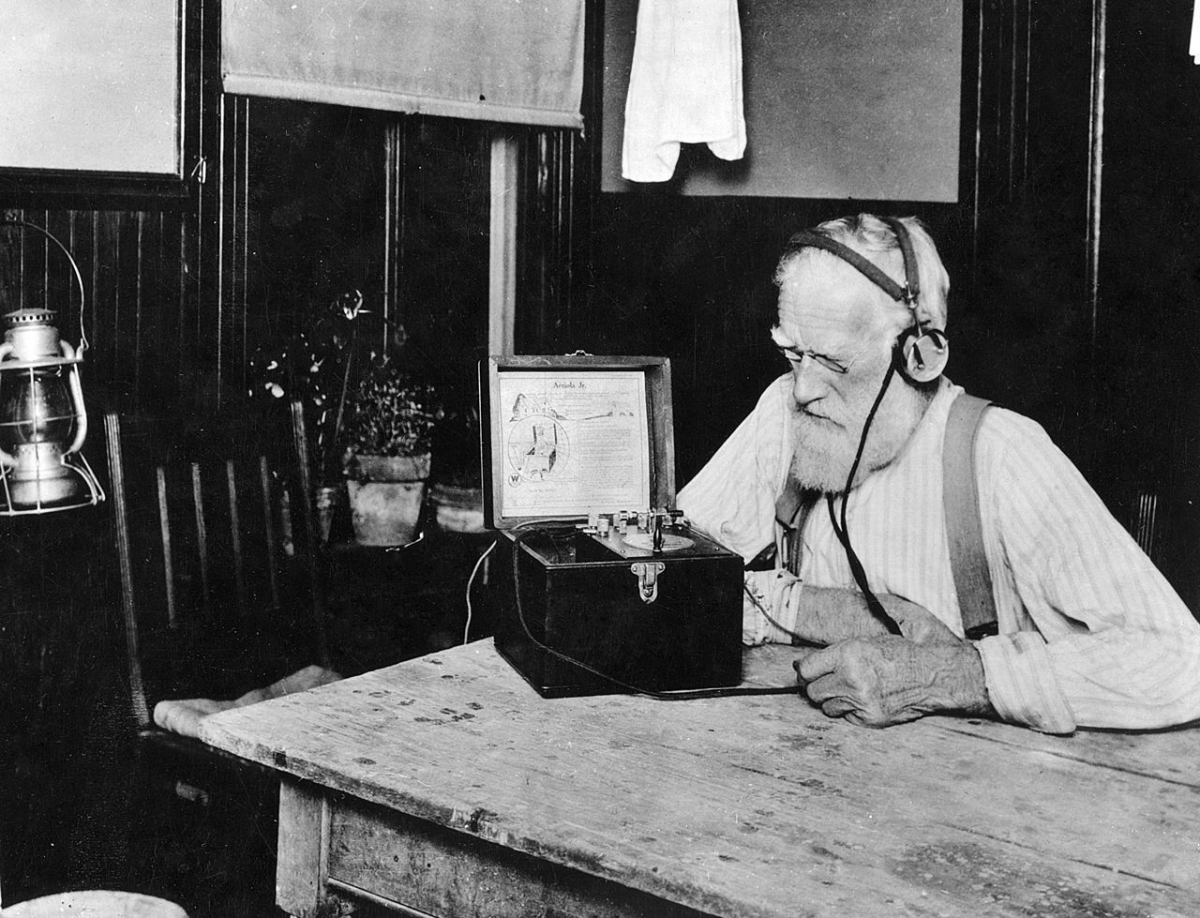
[{"x": 116, "y": 188}]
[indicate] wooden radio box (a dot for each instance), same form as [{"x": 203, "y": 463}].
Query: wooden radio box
[{"x": 599, "y": 587}]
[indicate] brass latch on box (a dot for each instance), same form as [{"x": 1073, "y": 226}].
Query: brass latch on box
[{"x": 647, "y": 574}]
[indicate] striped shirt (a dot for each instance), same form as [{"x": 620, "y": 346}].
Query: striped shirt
[{"x": 1091, "y": 634}]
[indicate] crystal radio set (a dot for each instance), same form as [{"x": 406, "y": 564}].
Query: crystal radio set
[{"x": 599, "y": 584}]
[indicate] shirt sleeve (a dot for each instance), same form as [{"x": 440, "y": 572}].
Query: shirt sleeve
[
  {"x": 732, "y": 499},
  {"x": 770, "y": 606},
  {"x": 1114, "y": 646}
]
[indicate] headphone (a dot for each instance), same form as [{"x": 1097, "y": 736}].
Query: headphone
[{"x": 920, "y": 354}]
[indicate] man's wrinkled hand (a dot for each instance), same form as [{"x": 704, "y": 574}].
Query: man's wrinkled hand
[{"x": 885, "y": 680}]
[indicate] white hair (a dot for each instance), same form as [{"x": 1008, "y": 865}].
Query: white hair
[{"x": 872, "y": 238}]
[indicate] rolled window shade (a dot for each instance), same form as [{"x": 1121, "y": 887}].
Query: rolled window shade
[{"x": 488, "y": 60}]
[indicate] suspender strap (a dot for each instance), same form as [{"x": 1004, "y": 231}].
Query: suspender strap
[{"x": 964, "y": 526}]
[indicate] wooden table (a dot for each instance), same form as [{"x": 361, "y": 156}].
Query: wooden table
[{"x": 446, "y": 785}]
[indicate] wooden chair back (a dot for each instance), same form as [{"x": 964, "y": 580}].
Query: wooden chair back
[
  {"x": 214, "y": 540},
  {"x": 1166, "y": 526}
]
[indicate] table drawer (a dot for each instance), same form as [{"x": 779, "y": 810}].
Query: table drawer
[{"x": 417, "y": 866}]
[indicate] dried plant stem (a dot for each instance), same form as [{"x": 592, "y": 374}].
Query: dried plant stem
[{"x": 341, "y": 408}]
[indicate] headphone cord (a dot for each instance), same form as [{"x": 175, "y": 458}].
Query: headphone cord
[
  {"x": 683, "y": 695},
  {"x": 843, "y": 533}
]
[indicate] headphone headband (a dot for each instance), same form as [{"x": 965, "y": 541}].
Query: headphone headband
[
  {"x": 912, "y": 286},
  {"x": 906, "y": 294}
]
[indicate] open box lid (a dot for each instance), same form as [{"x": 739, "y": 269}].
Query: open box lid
[{"x": 567, "y": 436}]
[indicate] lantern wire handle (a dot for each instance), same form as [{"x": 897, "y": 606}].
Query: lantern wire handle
[{"x": 83, "y": 342}]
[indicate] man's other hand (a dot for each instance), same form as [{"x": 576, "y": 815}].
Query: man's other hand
[
  {"x": 831, "y": 614},
  {"x": 884, "y": 680}
]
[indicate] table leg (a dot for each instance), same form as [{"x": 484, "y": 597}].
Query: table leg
[{"x": 303, "y": 863}]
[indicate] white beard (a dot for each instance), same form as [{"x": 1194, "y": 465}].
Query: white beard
[{"x": 824, "y": 449}]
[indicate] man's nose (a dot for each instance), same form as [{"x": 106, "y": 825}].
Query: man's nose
[{"x": 807, "y": 383}]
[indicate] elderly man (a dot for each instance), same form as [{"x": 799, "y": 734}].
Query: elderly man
[{"x": 840, "y": 467}]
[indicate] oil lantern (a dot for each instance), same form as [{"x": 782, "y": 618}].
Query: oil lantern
[{"x": 43, "y": 422}]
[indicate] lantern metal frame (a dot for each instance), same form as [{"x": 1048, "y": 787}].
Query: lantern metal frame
[{"x": 71, "y": 459}]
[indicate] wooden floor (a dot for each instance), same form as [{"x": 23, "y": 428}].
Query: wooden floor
[{"x": 78, "y": 806}]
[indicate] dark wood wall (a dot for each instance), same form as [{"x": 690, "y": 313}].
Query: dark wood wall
[
  {"x": 1145, "y": 325},
  {"x": 1071, "y": 248}
]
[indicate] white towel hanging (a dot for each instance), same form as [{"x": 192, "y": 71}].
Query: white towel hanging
[{"x": 685, "y": 86}]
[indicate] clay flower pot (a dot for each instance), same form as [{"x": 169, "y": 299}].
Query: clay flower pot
[
  {"x": 386, "y": 495},
  {"x": 457, "y": 509}
]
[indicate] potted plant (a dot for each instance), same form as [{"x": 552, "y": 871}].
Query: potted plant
[
  {"x": 389, "y": 425},
  {"x": 456, "y": 492}
]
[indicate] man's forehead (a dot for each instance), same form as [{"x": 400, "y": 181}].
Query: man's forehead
[
  {"x": 801, "y": 336},
  {"x": 819, "y": 303}
]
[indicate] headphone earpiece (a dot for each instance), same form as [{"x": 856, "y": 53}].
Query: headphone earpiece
[{"x": 921, "y": 354}]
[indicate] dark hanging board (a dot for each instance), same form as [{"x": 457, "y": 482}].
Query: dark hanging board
[{"x": 844, "y": 99}]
